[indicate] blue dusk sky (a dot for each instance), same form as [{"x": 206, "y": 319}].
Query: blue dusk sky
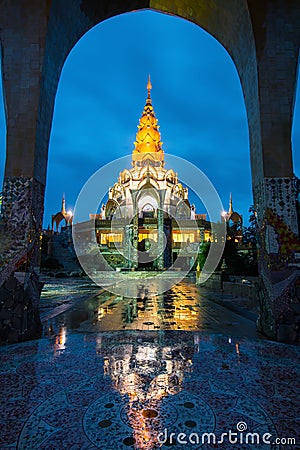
[{"x": 197, "y": 98}]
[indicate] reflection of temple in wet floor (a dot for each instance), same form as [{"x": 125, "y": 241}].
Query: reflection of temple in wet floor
[
  {"x": 145, "y": 370},
  {"x": 147, "y": 373},
  {"x": 181, "y": 308},
  {"x": 146, "y": 390}
]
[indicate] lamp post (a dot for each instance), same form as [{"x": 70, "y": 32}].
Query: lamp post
[
  {"x": 198, "y": 272},
  {"x": 224, "y": 265}
]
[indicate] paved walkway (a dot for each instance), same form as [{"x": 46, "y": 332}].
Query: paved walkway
[
  {"x": 184, "y": 307},
  {"x": 109, "y": 390}
]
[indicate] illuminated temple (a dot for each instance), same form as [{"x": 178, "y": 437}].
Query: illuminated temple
[
  {"x": 148, "y": 208},
  {"x": 148, "y": 221}
]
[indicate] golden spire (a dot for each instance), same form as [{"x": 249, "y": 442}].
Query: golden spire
[
  {"x": 230, "y": 204},
  {"x": 148, "y": 139},
  {"x": 149, "y": 86}
]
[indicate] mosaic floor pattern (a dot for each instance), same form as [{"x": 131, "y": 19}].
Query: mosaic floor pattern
[{"x": 149, "y": 390}]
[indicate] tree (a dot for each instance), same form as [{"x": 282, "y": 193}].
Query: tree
[
  {"x": 203, "y": 252},
  {"x": 250, "y": 232},
  {"x": 234, "y": 260},
  {"x": 249, "y": 244}
]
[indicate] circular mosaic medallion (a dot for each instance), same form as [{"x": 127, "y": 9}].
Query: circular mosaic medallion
[{"x": 141, "y": 423}]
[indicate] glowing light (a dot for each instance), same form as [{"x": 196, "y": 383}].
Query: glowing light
[
  {"x": 60, "y": 339},
  {"x": 70, "y": 213},
  {"x": 224, "y": 213}
]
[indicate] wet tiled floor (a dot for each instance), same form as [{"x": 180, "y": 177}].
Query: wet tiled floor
[
  {"x": 59, "y": 295},
  {"x": 122, "y": 389},
  {"x": 184, "y": 307},
  {"x": 109, "y": 390}
]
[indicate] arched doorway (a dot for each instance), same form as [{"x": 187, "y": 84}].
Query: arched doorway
[
  {"x": 30, "y": 85},
  {"x": 203, "y": 120}
]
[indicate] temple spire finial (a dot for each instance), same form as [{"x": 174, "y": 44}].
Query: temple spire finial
[
  {"x": 230, "y": 204},
  {"x": 148, "y": 139},
  {"x": 63, "y": 204},
  {"x": 149, "y": 86}
]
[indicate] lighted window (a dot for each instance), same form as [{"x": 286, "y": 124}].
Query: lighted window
[
  {"x": 207, "y": 235},
  {"x": 150, "y": 235},
  {"x": 108, "y": 238},
  {"x": 184, "y": 237}
]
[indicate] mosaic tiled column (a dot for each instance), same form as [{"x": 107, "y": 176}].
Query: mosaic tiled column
[
  {"x": 160, "y": 235},
  {"x": 21, "y": 226},
  {"x": 276, "y": 26},
  {"x": 275, "y": 200}
]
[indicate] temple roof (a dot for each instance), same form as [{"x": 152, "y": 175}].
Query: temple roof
[
  {"x": 148, "y": 139},
  {"x": 232, "y": 215}
]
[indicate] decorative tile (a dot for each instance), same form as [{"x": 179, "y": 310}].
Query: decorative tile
[{"x": 118, "y": 390}]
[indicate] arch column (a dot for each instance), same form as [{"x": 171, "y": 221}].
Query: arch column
[
  {"x": 23, "y": 41},
  {"x": 277, "y": 35}
]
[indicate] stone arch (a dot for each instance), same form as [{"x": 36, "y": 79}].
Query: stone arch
[
  {"x": 111, "y": 207},
  {"x": 118, "y": 192},
  {"x": 183, "y": 210},
  {"x": 125, "y": 176},
  {"x": 148, "y": 188},
  {"x": 148, "y": 207},
  {"x": 57, "y": 220},
  {"x": 148, "y": 170},
  {"x": 263, "y": 42},
  {"x": 170, "y": 176},
  {"x": 148, "y": 210},
  {"x": 148, "y": 183}
]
